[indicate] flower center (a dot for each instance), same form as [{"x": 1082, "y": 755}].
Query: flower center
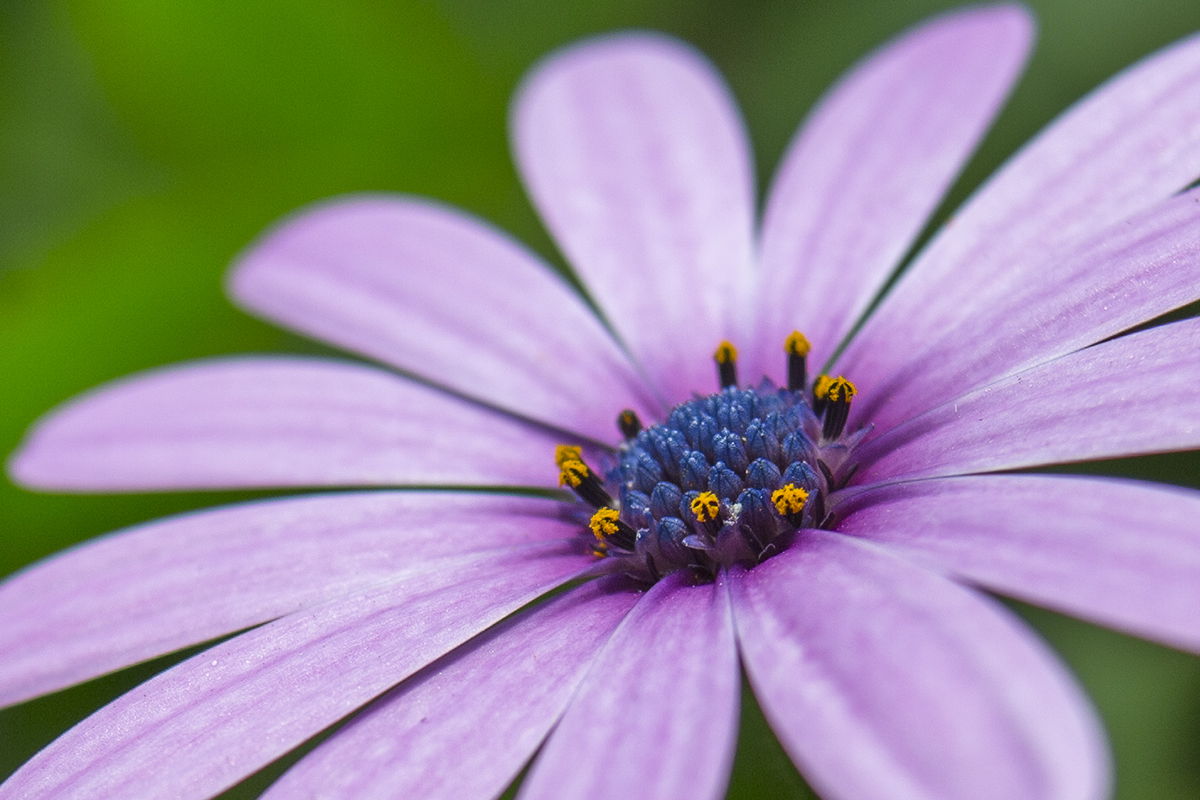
[{"x": 727, "y": 478}]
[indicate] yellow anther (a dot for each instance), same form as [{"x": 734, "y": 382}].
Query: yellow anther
[
  {"x": 726, "y": 358},
  {"x": 706, "y": 507},
  {"x": 841, "y": 389},
  {"x": 604, "y": 523},
  {"x": 572, "y": 473},
  {"x": 789, "y": 500},
  {"x": 567, "y": 452},
  {"x": 796, "y": 345},
  {"x": 797, "y": 348},
  {"x": 821, "y": 387}
]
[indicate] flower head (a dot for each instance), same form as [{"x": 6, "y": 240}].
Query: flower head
[{"x": 701, "y": 496}]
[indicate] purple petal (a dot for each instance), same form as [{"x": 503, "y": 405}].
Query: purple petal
[
  {"x": 634, "y": 153},
  {"x": 1120, "y": 553},
  {"x": 869, "y": 166},
  {"x": 885, "y": 681},
  {"x": 1136, "y": 394},
  {"x": 436, "y": 292},
  {"x": 1129, "y": 273},
  {"x": 1125, "y": 148},
  {"x": 220, "y": 716},
  {"x": 466, "y": 725},
  {"x": 657, "y": 714},
  {"x": 277, "y": 422},
  {"x": 165, "y": 585}
]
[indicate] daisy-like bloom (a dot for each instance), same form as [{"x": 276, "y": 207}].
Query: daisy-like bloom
[{"x": 825, "y": 528}]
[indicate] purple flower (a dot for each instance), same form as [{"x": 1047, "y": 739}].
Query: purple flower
[{"x": 823, "y": 532}]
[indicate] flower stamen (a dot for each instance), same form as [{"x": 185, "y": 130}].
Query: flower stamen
[
  {"x": 726, "y": 358},
  {"x": 797, "y": 349},
  {"x": 580, "y": 478},
  {"x": 838, "y": 396},
  {"x": 706, "y": 507},
  {"x": 609, "y": 530},
  {"x": 820, "y": 394},
  {"x": 567, "y": 452},
  {"x": 789, "y": 500},
  {"x": 629, "y": 423}
]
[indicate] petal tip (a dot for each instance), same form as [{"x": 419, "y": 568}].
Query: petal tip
[
  {"x": 22, "y": 469},
  {"x": 629, "y": 49},
  {"x": 35, "y": 464},
  {"x": 1008, "y": 30}
]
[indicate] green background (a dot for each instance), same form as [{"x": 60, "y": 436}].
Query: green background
[{"x": 143, "y": 143}]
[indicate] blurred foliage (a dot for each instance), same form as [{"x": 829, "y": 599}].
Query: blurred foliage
[{"x": 142, "y": 144}]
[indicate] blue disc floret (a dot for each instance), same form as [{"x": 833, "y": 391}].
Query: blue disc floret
[{"x": 727, "y": 478}]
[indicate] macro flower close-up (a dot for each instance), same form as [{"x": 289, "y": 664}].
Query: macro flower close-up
[{"x": 546, "y": 527}]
